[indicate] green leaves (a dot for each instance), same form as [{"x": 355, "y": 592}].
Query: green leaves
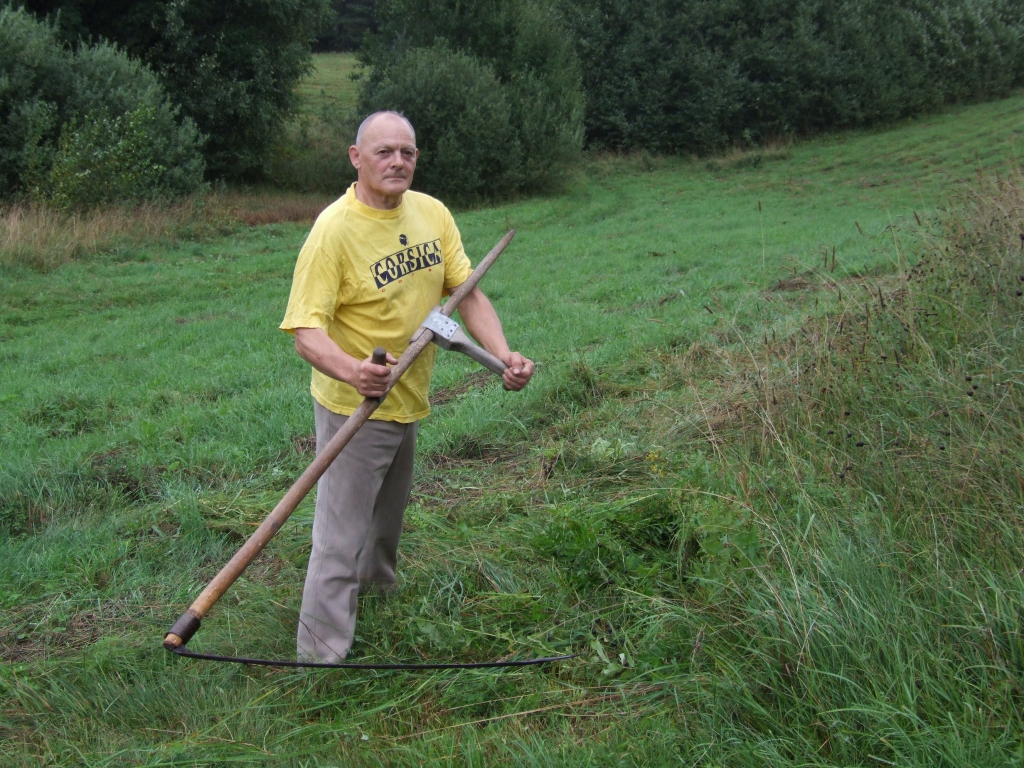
[
  {"x": 671, "y": 76},
  {"x": 493, "y": 90},
  {"x": 231, "y": 66},
  {"x": 105, "y": 159},
  {"x": 88, "y": 126}
]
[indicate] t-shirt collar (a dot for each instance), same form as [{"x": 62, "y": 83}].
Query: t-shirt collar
[{"x": 367, "y": 210}]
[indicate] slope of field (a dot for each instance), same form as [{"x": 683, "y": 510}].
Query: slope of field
[
  {"x": 329, "y": 87},
  {"x": 312, "y": 155},
  {"x": 751, "y": 485}
]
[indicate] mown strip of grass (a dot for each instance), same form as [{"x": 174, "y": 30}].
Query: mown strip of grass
[{"x": 750, "y": 487}]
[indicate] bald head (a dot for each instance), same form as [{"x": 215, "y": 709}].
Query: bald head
[
  {"x": 384, "y": 157},
  {"x": 386, "y": 116}
]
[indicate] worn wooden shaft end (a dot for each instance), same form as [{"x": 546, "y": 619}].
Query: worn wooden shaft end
[{"x": 182, "y": 631}]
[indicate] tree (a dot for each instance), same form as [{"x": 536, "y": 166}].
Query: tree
[
  {"x": 695, "y": 75},
  {"x": 232, "y": 65},
  {"x": 353, "y": 19},
  {"x": 86, "y": 126},
  {"x": 519, "y": 49}
]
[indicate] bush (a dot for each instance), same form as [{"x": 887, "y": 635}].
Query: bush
[
  {"x": 231, "y": 65},
  {"x": 492, "y": 88},
  {"x": 695, "y": 76},
  {"x": 87, "y": 126},
  {"x": 461, "y": 114},
  {"x": 106, "y": 159},
  {"x": 34, "y": 92}
]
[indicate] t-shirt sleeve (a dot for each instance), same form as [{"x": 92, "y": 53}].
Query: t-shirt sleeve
[
  {"x": 315, "y": 287},
  {"x": 457, "y": 267}
]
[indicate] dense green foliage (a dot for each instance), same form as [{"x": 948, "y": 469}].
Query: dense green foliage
[
  {"x": 492, "y": 88},
  {"x": 353, "y": 19},
  {"x": 751, "y": 485},
  {"x": 86, "y": 126},
  {"x": 468, "y": 149},
  {"x": 111, "y": 159},
  {"x": 232, "y": 66},
  {"x": 690, "y": 76}
]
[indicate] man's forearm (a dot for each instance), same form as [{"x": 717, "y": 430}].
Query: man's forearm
[
  {"x": 319, "y": 350},
  {"x": 483, "y": 324}
]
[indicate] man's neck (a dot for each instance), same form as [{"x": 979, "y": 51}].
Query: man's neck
[{"x": 383, "y": 202}]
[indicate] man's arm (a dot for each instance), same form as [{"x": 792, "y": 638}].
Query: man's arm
[
  {"x": 319, "y": 350},
  {"x": 483, "y": 325}
]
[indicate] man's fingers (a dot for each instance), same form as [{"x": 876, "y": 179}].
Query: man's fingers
[
  {"x": 518, "y": 373},
  {"x": 373, "y": 378}
]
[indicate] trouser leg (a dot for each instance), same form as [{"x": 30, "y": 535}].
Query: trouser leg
[
  {"x": 347, "y": 496},
  {"x": 379, "y": 556}
]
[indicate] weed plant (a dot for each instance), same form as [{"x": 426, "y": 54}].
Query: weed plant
[{"x": 751, "y": 485}]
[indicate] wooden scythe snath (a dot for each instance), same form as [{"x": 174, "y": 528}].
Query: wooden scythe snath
[{"x": 188, "y": 623}]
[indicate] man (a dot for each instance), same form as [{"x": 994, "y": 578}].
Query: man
[{"x": 375, "y": 263}]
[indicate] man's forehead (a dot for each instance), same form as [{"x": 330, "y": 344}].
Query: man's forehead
[{"x": 388, "y": 130}]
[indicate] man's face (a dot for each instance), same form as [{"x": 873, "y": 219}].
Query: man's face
[{"x": 385, "y": 157}]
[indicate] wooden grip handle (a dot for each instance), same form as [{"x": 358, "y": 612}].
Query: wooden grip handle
[{"x": 380, "y": 356}]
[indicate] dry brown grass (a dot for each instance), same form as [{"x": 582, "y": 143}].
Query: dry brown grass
[
  {"x": 272, "y": 207},
  {"x": 43, "y": 237}
]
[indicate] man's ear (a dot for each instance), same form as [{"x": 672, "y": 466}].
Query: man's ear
[{"x": 353, "y": 156}]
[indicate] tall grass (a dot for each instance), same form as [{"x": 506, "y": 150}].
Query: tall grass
[
  {"x": 875, "y": 454},
  {"x": 42, "y": 237}
]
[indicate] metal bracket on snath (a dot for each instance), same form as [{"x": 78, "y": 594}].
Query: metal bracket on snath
[
  {"x": 441, "y": 325},
  {"x": 448, "y": 335}
]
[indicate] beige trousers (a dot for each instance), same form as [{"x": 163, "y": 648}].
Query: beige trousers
[{"x": 360, "y": 504}]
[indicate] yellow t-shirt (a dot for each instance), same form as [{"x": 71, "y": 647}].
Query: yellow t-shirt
[{"x": 368, "y": 278}]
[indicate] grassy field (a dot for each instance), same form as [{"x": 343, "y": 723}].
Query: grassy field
[
  {"x": 767, "y": 482},
  {"x": 313, "y": 153},
  {"x": 330, "y": 85}
]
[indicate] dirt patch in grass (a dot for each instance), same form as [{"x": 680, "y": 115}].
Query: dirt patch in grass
[
  {"x": 472, "y": 381},
  {"x": 305, "y": 445},
  {"x": 19, "y": 644}
]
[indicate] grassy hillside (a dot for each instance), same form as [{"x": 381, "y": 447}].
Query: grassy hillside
[
  {"x": 330, "y": 84},
  {"x": 312, "y": 155},
  {"x": 767, "y": 482}
]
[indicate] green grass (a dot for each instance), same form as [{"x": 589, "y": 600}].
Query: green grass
[
  {"x": 679, "y": 495},
  {"x": 330, "y": 85},
  {"x": 313, "y": 153}
]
